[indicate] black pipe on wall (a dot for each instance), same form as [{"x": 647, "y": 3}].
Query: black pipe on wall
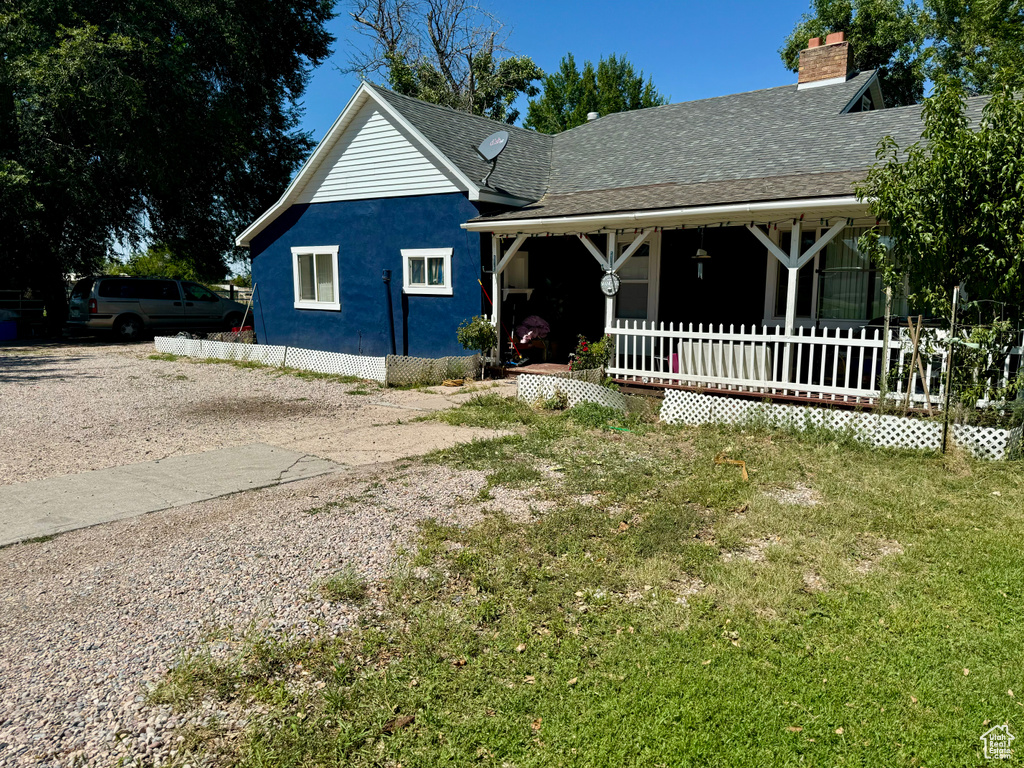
[{"x": 391, "y": 314}]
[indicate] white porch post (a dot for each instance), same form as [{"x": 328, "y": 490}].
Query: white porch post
[
  {"x": 794, "y": 275},
  {"x": 791, "y": 285},
  {"x": 793, "y": 262},
  {"x": 498, "y": 264},
  {"x": 496, "y": 292},
  {"x": 609, "y": 301}
]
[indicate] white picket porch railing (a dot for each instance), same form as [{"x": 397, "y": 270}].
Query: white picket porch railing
[{"x": 830, "y": 364}]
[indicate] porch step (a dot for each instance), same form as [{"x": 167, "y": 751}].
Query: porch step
[{"x": 535, "y": 369}]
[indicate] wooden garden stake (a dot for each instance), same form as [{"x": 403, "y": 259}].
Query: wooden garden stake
[
  {"x": 915, "y": 361},
  {"x": 916, "y": 336}
]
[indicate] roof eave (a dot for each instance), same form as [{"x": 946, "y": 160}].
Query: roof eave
[
  {"x": 699, "y": 214},
  {"x": 293, "y": 188}
]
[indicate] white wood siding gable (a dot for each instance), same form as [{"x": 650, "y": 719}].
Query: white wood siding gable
[
  {"x": 372, "y": 158},
  {"x": 371, "y": 151}
]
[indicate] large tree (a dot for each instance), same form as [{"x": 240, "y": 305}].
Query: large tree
[
  {"x": 979, "y": 44},
  {"x": 172, "y": 121},
  {"x": 886, "y": 35},
  {"x": 955, "y": 202},
  {"x": 569, "y": 94},
  {"x": 446, "y": 52}
]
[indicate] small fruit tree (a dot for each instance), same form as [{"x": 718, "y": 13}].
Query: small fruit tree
[{"x": 478, "y": 333}]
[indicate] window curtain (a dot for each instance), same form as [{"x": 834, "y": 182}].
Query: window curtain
[
  {"x": 435, "y": 271},
  {"x": 324, "y": 277}
]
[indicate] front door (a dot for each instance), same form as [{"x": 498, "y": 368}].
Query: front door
[{"x": 638, "y": 293}]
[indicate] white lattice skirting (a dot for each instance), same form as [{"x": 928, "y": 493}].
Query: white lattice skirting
[
  {"x": 682, "y": 407},
  {"x": 533, "y": 388},
  {"x": 371, "y": 368}
]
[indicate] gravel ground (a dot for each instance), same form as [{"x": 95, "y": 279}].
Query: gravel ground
[
  {"x": 92, "y": 619},
  {"x": 76, "y": 408}
]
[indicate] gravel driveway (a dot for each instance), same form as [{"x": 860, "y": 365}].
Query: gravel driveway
[
  {"x": 78, "y": 408},
  {"x": 93, "y": 618}
]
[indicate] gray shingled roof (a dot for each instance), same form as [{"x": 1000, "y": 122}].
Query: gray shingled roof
[
  {"x": 523, "y": 167},
  {"x": 772, "y": 144},
  {"x": 772, "y": 132}
]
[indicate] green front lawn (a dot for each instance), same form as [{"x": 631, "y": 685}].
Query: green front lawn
[{"x": 846, "y": 606}]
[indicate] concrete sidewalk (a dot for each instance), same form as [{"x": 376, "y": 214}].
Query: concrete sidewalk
[{"x": 57, "y": 504}]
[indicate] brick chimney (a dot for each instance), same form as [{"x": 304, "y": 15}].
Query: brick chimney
[{"x": 825, "y": 64}]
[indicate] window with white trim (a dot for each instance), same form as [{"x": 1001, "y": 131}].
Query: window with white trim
[
  {"x": 315, "y": 270},
  {"x": 638, "y": 291},
  {"x": 427, "y": 271},
  {"x": 839, "y": 286}
]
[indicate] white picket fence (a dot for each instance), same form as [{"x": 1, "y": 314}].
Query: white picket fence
[
  {"x": 830, "y": 364},
  {"x": 318, "y": 361},
  {"x": 882, "y": 430}
]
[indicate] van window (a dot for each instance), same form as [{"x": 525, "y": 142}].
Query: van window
[
  {"x": 119, "y": 289},
  {"x": 195, "y": 292},
  {"x": 166, "y": 290},
  {"x": 82, "y": 289}
]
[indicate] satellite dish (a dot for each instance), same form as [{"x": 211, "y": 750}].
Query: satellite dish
[
  {"x": 489, "y": 150},
  {"x": 492, "y": 146}
]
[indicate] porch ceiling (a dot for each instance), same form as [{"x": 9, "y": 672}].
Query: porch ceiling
[{"x": 779, "y": 212}]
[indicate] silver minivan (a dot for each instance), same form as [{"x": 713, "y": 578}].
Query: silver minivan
[{"x": 132, "y": 306}]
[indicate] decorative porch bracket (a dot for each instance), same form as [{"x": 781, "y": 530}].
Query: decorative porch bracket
[
  {"x": 631, "y": 249},
  {"x": 609, "y": 262},
  {"x": 499, "y": 268},
  {"x": 794, "y": 261},
  {"x": 594, "y": 251}
]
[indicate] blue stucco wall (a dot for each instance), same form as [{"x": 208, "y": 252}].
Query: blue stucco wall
[{"x": 370, "y": 235}]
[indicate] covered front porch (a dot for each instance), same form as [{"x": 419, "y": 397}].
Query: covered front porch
[{"x": 766, "y": 298}]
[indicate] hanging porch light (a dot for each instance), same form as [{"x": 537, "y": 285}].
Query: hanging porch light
[{"x": 701, "y": 256}]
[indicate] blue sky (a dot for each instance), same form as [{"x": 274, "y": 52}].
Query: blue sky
[{"x": 693, "y": 50}]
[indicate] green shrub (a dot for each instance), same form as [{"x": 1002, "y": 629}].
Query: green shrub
[
  {"x": 591, "y": 354},
  {"x": 477, "y": 333}
]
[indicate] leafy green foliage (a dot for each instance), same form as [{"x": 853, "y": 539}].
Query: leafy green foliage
[
  {"x": 955, "y": 203},
  {"x": 493, "y": 87},
  {"x": 886, "y": 35},
  {"x": 978, "y": 44},
  {"x": 978, "y": 373},
  {"x": 569, "y": 94},
  {"x": 590, "y": 355},
  {"x": 172, "y": 122},
  {"x": 477, "y": 333},
  {"x": 156, "y": 261}
]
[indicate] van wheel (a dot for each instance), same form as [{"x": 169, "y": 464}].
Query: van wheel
[
  {"x": 234, "y": 320},
  {"x": 128, "y": 328}
]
